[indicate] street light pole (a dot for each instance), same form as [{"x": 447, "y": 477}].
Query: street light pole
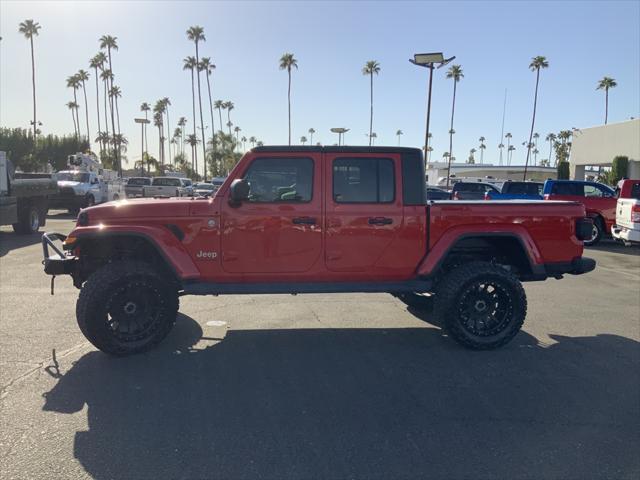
[{"x": 429, "y": 60}]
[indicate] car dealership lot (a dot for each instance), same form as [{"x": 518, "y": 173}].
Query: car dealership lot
[{"x": 322, "y": 386}]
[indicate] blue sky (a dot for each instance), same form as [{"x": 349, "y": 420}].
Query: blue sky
[{"x": 493, "y": 41}]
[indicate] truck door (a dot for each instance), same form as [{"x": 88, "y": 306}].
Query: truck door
[
  {"x": 279, "y": 229},
  {"x": 364, "y": 217}
]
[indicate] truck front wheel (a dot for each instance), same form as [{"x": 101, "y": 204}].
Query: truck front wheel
[
  {"x": 481, "y": 305},
  {"x": 126, "y": 308}
]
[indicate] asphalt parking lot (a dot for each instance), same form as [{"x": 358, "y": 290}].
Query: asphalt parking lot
[{"x": 322, "y": 386}]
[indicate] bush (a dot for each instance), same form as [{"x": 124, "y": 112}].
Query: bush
[
  {"x": 619, "y": 169},
  {"x": 563, "y": 171}
]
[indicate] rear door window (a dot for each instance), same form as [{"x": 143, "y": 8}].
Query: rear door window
[
  {"x": 363, "y": 180},
  {"x": 567, "y": 188}
]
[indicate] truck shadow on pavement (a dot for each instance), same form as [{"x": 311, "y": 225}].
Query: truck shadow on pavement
[
  {"x": 357, "y": 403},
  {"x": 12, "y": 241}
]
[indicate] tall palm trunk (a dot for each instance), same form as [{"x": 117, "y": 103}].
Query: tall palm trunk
[
  {"x": 229, "y": 122},
  {"x": 86, "y": 112},
  {"x": 194, "y": 152},
  {"x": 106, "y": 120},
  {"x": 453, "y": 110},
  {"x": 533, "y": 121},
  {"x": 371, "y": 115},
  {"x": 160, "y": 144},
  {"x": 204, "y": 143},
  {"x": 116, "y": 147},
  {"x": 606, "y": 105},
  {"x": 220, "y": 116},
  {"x": 146, "y": 138},
  {"x": 75, "y": 100},
  {"x": 169, "y": 135},
  {"x": 75, "y": 129},
  {"x": 98, "y": 106},
  {"x": 117, "y": 115},
  {"x": 33, "y": 82},
  {"x": 213, "y": 130},
  {"x": 289, "y": 103}
]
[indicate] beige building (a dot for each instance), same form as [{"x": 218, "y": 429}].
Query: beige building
[{"x": 597, "y": 146}]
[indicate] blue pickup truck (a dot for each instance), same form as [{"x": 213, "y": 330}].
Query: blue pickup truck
[{"x": 517, "y": 191}]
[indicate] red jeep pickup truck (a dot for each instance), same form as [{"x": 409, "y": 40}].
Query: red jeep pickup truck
[{"x": 316, "y": 220}]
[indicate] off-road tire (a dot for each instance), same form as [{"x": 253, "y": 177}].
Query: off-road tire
[
  {"x": 462, "y": 288},
  {"x": 599, "y": 229},
  {"x": 29, "y": 220},
  {"x": 90, "y": 201},
  {"x": 97, "y": 308}
]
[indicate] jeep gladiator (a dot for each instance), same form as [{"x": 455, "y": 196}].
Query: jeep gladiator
[{"x": 292, "y": 220}]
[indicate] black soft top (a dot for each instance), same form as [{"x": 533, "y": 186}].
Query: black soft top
[{"x": 334, "y": 149}]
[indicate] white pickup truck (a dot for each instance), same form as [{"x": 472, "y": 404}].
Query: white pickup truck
[
  {"x": 167, "y": 187},
  {"x": 627, "y": 226}
]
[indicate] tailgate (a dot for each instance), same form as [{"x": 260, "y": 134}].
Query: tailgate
[{"x": 624, "y": 209}]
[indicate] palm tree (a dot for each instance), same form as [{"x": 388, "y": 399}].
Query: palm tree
[
  {"x": 237, "y": 130},
  {"x": 551, "y": 137},
  {"x": 208, "y": 67},
  {"x": 605, "y": 84},
  {"x": 96, "y": 63},
  {"x": 482, "y": 147},
  {"x": 508, "y": 136},
  {"x": 30, "y": 29},
  {"x": 536, "y": 64},
  {"x": 192, "y": 140},
  {"x": 287, "y": 62},
  {"x": 157, "y": 122},
  {"x": 252, "y": 141},
  {"x": 370, "y": 68},
  {"x": 105, "y": 76},
  {"x": 472, "y": 159},
  {"x": 181, "y": 123},
  {"x": 166, "y": 102},
  {"x": 145, "y": 108},
  {"x": 510, "y": 154},
  {"x": 500, "y": 147},
  {"x": 398, "y": 133},
  {"x": 219, "y": 105},
  {"x": 244, "y": 143},
  {"x": 311, "y": 132},
  {"x": 72, "y": 106},
  {"x": 196, "y": 35},
  {"x": 74, "y": 83},
  {"x": 454, "y": 72},
  {"x": 110, "y": 43},
  {"x": 83, "y": 76},
  {"x": 115, "y": 94},
  {"x": 228, "y": 106},
  {"x": 303, "y": 140},
  {"x": 429, "y": 150},
  {"x": 372, "y": 138},
  {"x": 189, "y": 63}
]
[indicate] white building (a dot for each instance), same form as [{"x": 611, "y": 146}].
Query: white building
[
  {"x": 438, "y": 170},
  {"x": 597, "y": 146}
]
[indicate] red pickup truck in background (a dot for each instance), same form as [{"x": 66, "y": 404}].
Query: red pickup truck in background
[
  {"x": 599, "y": 201},
  {"x": 316, "y": 220}
]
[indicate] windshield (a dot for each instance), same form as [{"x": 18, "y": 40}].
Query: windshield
[
  {"x": 139, "y": 181},
  {"x": 73, "y": 177},
  {"x": 166, "y": 182},
  {"x": 203, "y": 186}
]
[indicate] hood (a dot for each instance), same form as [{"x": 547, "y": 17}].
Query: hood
[
  {"x": 140, "y": 208},
  {"x": 69, "y": 183}
]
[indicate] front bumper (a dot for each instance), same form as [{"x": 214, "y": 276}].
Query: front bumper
[{"x": 59, "y": 263}]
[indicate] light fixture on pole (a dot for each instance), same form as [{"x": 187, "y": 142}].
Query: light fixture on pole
[
  {"x": 340, "y": 131},
  {"x": 429, "y": 60},
  {"x": 142, "y": 122}
]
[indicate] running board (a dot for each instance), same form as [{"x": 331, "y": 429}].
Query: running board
[{"x": 201, "y": 288}]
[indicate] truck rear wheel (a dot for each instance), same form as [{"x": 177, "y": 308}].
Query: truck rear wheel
[
  {"x": 596, "y": 234},
  {"x": 126, "y": 308},
  {"x": 481, "y": 305},
  {"x": 29, "y": 220}
]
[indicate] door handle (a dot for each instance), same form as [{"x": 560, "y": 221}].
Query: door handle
[
  {"x": 304, "y": 221},
  {"x": 380, "y": 221}
]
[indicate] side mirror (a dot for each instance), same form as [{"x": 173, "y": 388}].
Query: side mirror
[{"x": 239, "y": 192}]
